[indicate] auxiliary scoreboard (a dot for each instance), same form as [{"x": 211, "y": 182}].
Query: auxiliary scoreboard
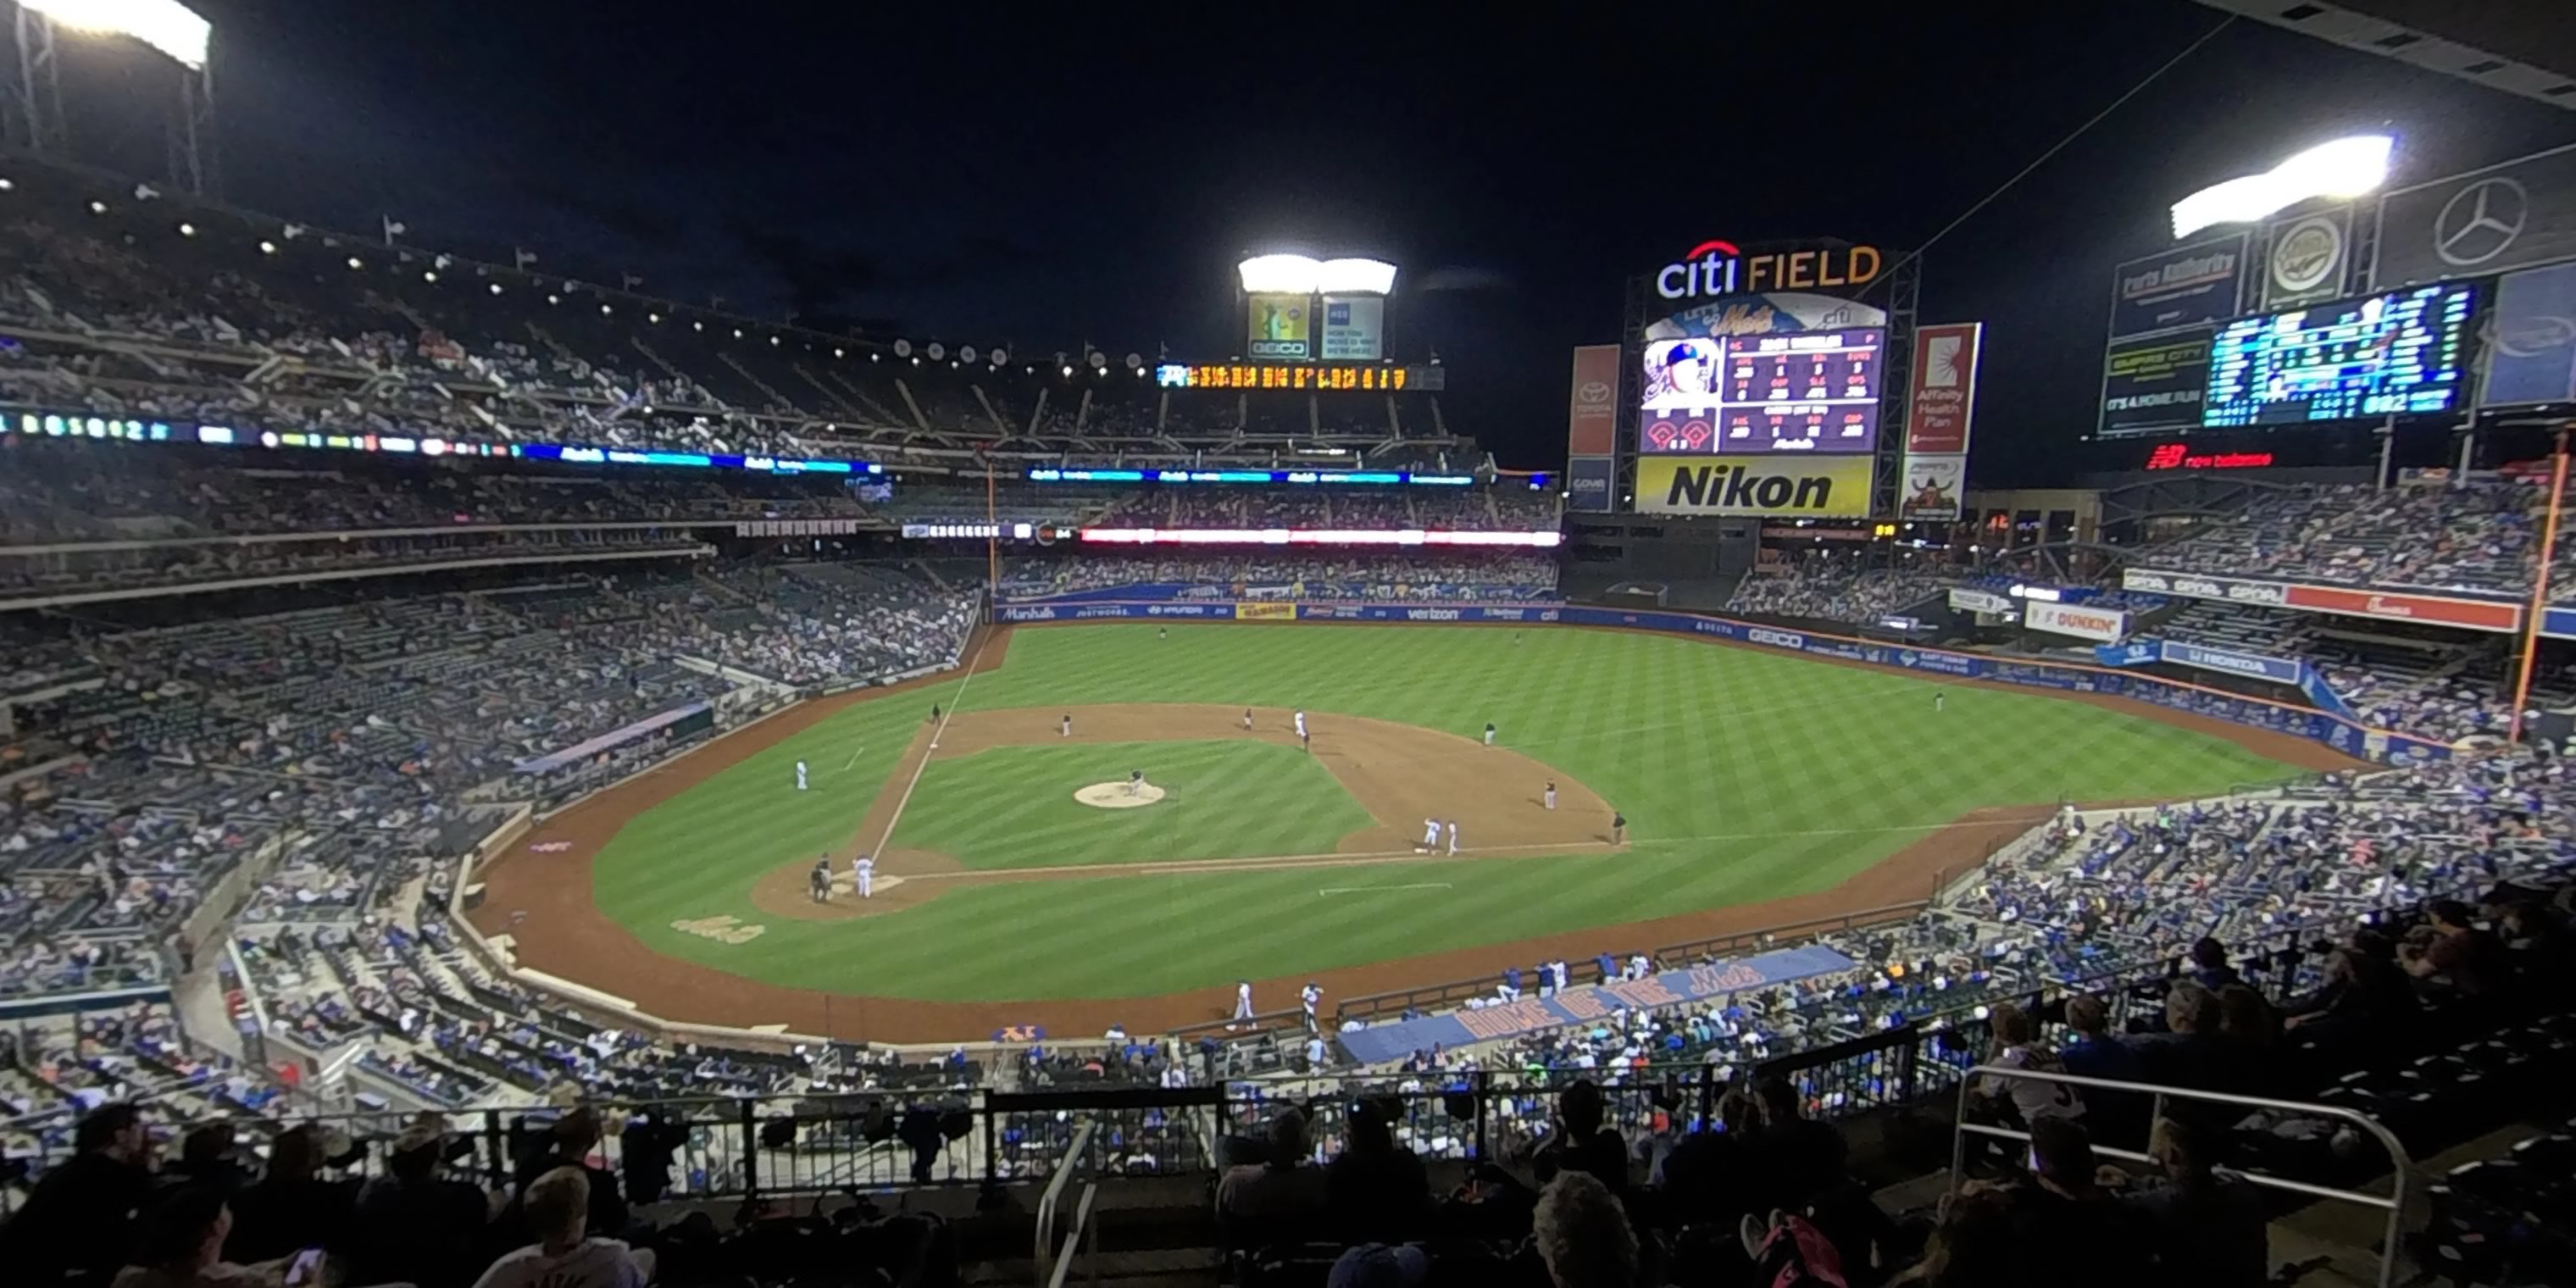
[{"x": 1303, "y": 377}]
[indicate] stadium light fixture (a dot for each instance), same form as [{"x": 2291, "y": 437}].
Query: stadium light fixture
[
  {"x": 267, "y": 247},
  {"x": 1306, "y": 275},
  {"x": 187, "y": 230},
  {"x": 356, "y": 263},
  {"x": 165, "y": 25},
  {"x": 8, "y": 185},
  {"x": 2347, "y": 167},
  {"x": 98, "y": 207}
]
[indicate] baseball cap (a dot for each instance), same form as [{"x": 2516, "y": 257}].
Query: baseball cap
[{"x": 1376, "y": 1265}]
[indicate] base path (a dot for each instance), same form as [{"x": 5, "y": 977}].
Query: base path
[{"x": 1391, "y": 769}]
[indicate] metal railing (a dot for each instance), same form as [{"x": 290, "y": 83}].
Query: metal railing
[
  {"x": 1074, "y": 1155},
  {"x": 1086, "y": 1234},
  {"x": 2393, "y": 1203}
]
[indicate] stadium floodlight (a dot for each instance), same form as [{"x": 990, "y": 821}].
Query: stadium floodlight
[
  {"x": 2347, "y": 167},
  {"x": 166, "y": 25},
  {"x": 1306, "y": 275}
]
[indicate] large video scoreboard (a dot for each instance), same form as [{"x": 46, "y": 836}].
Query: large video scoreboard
[
  {"x": 1787, "y": 391},
  {"x": 2396, "y": 354}
]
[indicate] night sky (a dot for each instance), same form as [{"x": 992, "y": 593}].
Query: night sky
[{"x": 1042, "y": 176}]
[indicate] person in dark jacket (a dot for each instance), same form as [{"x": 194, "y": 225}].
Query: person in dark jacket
[
  {"x": 290, "y": 1208},
  {"x": 568, "y": 1144},
  {"x": 80, "y": 1219},
  {"x": 412, "y": 1224},
  {"x": 1582, "y": 1144}
]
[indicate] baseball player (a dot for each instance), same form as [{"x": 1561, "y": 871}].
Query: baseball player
[
  {"x": 864, "y": 872},
  {"x": 1309, "y": 997},
  {"x": 1064, "y": 726},
  {"x": 1430, "y": 836},
  {"x": 1301, "y": 725},
  {"x": 1939, "y": 699},
  {"x": 1618, "y": 827},
  {"x": 818, "y": 883},
  {"x": 1135, "y": 782},
  {"x": 1551, "y": 793},
  {"x": 1162, "y": 632},
  {"x": 1453, "y": 836},
  {"x": 934, "y": 713},
  {"x": 1247, "y": 719},
  {"x": 1489, "y": 733},
  {"x": 800, "y": 775},
  {"x": 1242, "y": 1000}
]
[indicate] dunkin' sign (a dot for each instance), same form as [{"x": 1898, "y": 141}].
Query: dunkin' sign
[{"x": 2100, "y": 625}]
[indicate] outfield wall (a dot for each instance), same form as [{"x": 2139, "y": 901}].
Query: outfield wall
[{"x": 2331, "y": 728}]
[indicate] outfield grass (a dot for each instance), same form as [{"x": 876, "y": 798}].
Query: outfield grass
[
  {"x": 1013, "y": 807},
  {"x": 1745, "y": 776}
]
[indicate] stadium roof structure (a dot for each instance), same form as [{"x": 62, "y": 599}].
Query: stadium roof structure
[{"x": 2529, "y": 49}]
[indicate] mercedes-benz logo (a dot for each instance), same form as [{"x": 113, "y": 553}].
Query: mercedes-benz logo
[{"x": 2480, "y": 221}]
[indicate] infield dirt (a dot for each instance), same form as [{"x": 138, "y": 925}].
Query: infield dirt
[{"x": 1399, "y": 773}]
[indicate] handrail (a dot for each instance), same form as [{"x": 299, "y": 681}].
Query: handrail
[
  {"x": 2394, "y": 1204},
  {"x": 1084, "y": 1233},
  {"x": 1077, "y": 1150}
]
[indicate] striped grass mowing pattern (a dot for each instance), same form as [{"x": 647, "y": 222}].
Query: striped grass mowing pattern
[
  {"x": 1013, "y": 807},
  {"x": 1745, "y": 776}
]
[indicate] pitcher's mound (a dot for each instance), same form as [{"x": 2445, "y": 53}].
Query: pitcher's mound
[{"x": 1116, "y": 795}]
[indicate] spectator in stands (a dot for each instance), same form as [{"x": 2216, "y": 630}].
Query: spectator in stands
[
  {"x": 1582, "y": 1234},
  {"x": 2068, "y": 1227},
  {"x": 2017, "y": 1047},
  {"x": 80, "y": 1216},
  {"x": 1973, "y": 1246},
  {"x": 291, "y": 1207},
  {"x": 182, "y": 1245},
  {"x": 206, "y": 1160},
  {"x": 412, "y": 1224},
  {"x": 2091, "y": 1052},
  {"x": 2209, "y": 966},
  {"x": 2365, "y": 991},
  {"x": 2187, "y": 1053},
  {"x": 1581, "y": 1143},
  {"x": 2210, "y": 1224},
  {"x": 1279, "y": 1190},
  {"x": 568, "y": 1143},
  {"x": 559, "y": 1208},
  {"x": 1375, "y": 1189},
  {"x": 2453, "y": 951},
  {"x": 1799, "y": 1158}
]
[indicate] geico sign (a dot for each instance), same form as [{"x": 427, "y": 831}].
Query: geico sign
[
  {"x": 1718, "y": 268},
  {"x": 1753, "y": 485}
]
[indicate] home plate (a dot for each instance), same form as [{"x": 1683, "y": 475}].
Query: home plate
[
  {"x": 1117, "y": 796},
  {"x": 847, "y": 883}
]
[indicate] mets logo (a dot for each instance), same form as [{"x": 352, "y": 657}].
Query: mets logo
[{"x": 727, "y": 929}]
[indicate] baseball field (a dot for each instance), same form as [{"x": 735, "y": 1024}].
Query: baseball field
[{"x": 1757, "y": 788}]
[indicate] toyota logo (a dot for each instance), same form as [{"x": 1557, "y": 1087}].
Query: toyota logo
[
  {"x": 1593, "y": 392},
  {"x": 2480, "y": 221}
]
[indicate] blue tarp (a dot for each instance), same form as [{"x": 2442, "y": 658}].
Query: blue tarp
[{"x": 1389, "y": 1042}]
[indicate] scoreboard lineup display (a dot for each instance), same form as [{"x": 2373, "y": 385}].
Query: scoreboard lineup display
[
  {"x": 2396, "y": 354},
  {"x": 1796, "y": 391},
  {"x": 1301, "y": 377}
]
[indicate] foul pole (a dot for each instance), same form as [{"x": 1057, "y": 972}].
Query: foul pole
[{"x": 2539, "y": 608}]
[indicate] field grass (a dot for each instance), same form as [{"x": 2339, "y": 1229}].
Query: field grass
[
  {"x": 1745, "y": 776},
  {"x": 1013, "y": 807}
]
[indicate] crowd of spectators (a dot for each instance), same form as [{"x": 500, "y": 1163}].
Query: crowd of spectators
[
  {"x": 1831, "y": 589},
  {"x": 1469, "y": 576},
  {"x": 2480, "y": 536}
]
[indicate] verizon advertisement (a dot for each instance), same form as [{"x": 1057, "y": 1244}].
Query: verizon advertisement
[
  {"x": 2100, "y": 625},
  {"x": 1592, "y": 412},
  {"x": 2435, "y": 610}
]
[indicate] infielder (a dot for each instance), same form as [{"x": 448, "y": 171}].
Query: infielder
[
  {"x": 1489, "y": 733},
  {"x": 1064, "y": 726},
  {"x": 1453, "y": 836},
  {"x": 800, "y": 775},
  {"x": 1430, "y": 836},
  {"x": 1135, "y": 782},
  {"x": 818, "y": 883},
  {"x": 1247, "y": 719},
  {"x": 1242, "y": 1000},
  {"x": 1618, "y": 827},
  {"x": 1301, "y": 726},
  {"x": 1551, "y": 793},
  {"x": 863, "y": 870}
]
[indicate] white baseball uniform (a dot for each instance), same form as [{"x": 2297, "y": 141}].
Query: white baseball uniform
[
  {"x": 1551, "y": 796},
  {"x": 1243, "y": 1001},
  {"x": 1431, "y": 834},
  {"x": 800, "y": 775},
  {"x": 1453, "y": 836},
  {"x": 1489, "y": 735},
  {"x": 1301, "y": 724},
  {"x": 866, "y": 871}
]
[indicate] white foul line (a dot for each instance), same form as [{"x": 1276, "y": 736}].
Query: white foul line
[
  {"x": 1418, "y": 885},
  {"x": 924, "y": 762}
]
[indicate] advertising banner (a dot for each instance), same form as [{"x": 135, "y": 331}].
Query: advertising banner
[
  {"x": 1354, "y": 328},
  {"x": 1279, "y": 326},
  {"x": 2133, "y": 653},
  {"x": 1805, "y": 487},
  {"x": 2521, "y": 214},
  {"x": 1979, "y": 601},
  {"x": 2254, "y": 666},
  {"x": 1943, "y": 398},
  {"x": 2185, "y": 286},
  {"x": 2531, "y": 355},
  {"x": 1265, "y": 612},
  {"x": 2199, "y": 586},
  {"x": 2559, "y": 623},
  {"x": 2104, "y": 625},
  {"x": 1589, "y": 484},
  {"x": 2438, "y": 610},
  {"x": 2154, "y": 383},
  {"x": 1592, "y": 408},
  {"x": 1932, "y": 487},
  {"x": 2307, "y": 257}
]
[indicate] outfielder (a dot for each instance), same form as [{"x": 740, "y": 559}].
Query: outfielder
[
  {"x": 864, "y": 871},
  {"x": 1939, "y": 699},
  {"x": 1551, "y": 793},
  {"x": 800, "y": 775}
]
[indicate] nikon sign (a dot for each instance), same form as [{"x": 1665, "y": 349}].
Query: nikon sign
[{"x": 1807, "y": 488}]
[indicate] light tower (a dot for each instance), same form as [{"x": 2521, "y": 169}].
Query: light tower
[{"x": 32, "y": 100}]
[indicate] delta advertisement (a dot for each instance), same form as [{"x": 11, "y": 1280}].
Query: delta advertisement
[
  {"x": 1802, "y": 487},
  {"x": 2387, "y": 606},
  {"x": 2333, "y": 726}
]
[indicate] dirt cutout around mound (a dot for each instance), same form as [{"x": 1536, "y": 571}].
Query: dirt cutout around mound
[
  {"x": 1401, "y": 774},
  {"x": 542, "y": 898}
]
